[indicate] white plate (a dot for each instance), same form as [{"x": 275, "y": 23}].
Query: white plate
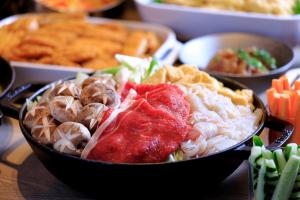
[
  {"x": 36, "y": 72},
  {"x": 189, "y": 22}
]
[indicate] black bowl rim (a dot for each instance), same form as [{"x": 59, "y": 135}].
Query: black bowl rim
[
  {"x": 12, "y": 80},
  {"x": 279, "y": 70},
  {"x": 31, "y": 140}
]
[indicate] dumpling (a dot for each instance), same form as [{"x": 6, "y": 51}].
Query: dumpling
[
  {"x": 64, "y": 108},
  {"x": 71, "y": 138}
]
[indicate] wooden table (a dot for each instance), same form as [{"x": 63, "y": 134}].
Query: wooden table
[{"x": 22, "y": 176}]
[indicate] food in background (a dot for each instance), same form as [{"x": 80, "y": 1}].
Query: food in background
[
  {"x": 144, "y": 114},
  {"x": 275, "y": 174},
  {"x": 77, "y": 5},
  {"x": 69, "y": 40},
  {"x": 284, "y": 103},
  {"x": 246, "y": 61},
  {"x": 274, "y": 7}
]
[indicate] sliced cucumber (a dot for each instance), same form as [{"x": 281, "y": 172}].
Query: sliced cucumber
[
  {"x": 287, "y": 179},
  {"x": 279, "y": 159},
  {"x": 290, "y": 149},
  {"x": 267, "y": 154},
  {"x": 260, "y": 189}
]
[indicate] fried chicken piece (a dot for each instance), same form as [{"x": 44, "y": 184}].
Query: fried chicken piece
[
  {"x": 29, "y": 51},
  {"x": 57, "y": 59},
  {"x": 42, "y": 40},
  {"x": 28, "y": 23},
  {"x": 79, "y": 54},
  {"x": 153, "y": 43},
  {"x": 104, "y": 33},
  {"x": 136, "y": 44}
]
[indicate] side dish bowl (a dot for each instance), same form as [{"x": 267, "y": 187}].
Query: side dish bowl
[{"x": 200, "y": 51}]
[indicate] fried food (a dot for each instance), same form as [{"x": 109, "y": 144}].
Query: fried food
[{"x": 69, "y": 40}]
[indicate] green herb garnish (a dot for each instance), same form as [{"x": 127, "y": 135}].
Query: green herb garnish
[
  {"x": 251, "y": 61},
  {"x": 266, "y": 58},
  {"x": 113, "y": 70}
]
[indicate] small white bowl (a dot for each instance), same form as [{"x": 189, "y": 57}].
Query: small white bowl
[{"x": 200, "y": 51}]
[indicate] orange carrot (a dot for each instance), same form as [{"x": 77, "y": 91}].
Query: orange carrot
[
  {"x": 293, "y": 101},
  {"x": 284, "y": 111},
  {"x": 297, "y": 85},
  {"x": 285, "y": 81},
  {"x": 296, "y": 105},
  {"x": 270, "y": 95},
  {"x": 278, "y": 85},
  {"x": 296, "y": 108},
  {"x": 274, "y": 106}
]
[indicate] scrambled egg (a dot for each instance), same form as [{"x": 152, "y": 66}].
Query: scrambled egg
[
  {"x": 190, "y": 76},
  {"x": 276, "y": 7}
]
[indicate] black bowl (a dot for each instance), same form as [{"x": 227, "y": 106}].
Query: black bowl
[{"x": 212, "y": 169}]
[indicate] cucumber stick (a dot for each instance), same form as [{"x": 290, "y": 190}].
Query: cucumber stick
[
  {"x": 279, "y": 159},
  {"x": 259, "y": 192},
  {"x": 290, "y": 149},
  {"x": 287, "y": 179}
]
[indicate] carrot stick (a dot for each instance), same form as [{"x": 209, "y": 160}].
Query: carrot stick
[
  {"x": 285, "y": 81},
  {"x": 296, "y": 105},
  {"x": 296, "y": 135},
  {"x": 293, "y": 101},
  {"x": 278, "y": 85},
  {"x": 297, "y": 85},
  {"x": 274, "y": 105},
  {"x": 270, "y": 95},
  {"x": 284, "y": 111}
]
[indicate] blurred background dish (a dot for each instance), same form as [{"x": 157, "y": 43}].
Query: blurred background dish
[
  {"x": 275, "y": 7},
  {"x": 190, "y": 22},
  {"x": 205, "y": 51},
  {"x": 144, "y": 36},
  {"x": 106, "y": 8},
  {"x": 79, "y": 5}
]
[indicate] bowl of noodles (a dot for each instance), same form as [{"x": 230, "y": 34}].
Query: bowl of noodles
[{"x": 143, "y": 122}]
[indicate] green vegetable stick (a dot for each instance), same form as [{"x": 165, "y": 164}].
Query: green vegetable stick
[
  {"x": 260, "y": 193},
  {"x": 257, "y": 141},
  {"x": 290, "y": 149},
  {"x": 267, "y": 154},
  {"x": 279, "y": 159},
  {"x": 112, "y": 71},
  {"x": 287, "y": 179},
  {"x": 152, "y": 67}
]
